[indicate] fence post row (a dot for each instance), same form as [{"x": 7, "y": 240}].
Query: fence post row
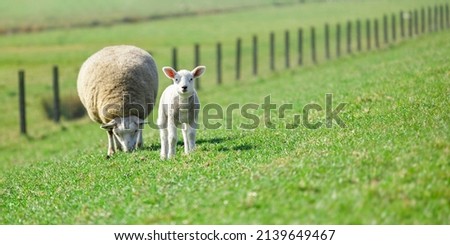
[
  {"x": 402, "y": 25},
  {"x": 22, "y": 111},
  {"x": 56, "y": 104}
]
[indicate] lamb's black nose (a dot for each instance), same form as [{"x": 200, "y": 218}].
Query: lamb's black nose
[{"x": 184, "y": 88}]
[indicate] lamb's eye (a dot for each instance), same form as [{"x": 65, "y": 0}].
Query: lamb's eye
[
  {"x": 176, "y": 79},
  {"x": 190, "y": 80}
]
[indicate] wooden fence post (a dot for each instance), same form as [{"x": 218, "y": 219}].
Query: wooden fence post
[
  {"x": 300, "y": 46},
  {"x": 447, "y": 15},
  {"x": 368, "y": 32},
  {"x": 255, "y": 55},
  {"x": 358, "y": 35},
  {"x": 272, "y": 51},
  {"x": 197, "y": 63},
  {"x": 402, "y": 25},
  {"x": 286, "y": 49},
  {"x": 22, "y": 111},
  {"x": 422, "y": 20},
  {"x": 327, "y": 41},
  {"x": 338, "y": 40},
  {"x": 377, "y": 40},
  {"x": 430, "y": 20},
  {"x": 385, "y": 29},
  {"x": 436, "y": 27},
  {"x": 56, "y": 104},
  {"x": 410, "y": 24},
  {"x": 394, "y": 31},
  {"x": 238, "y": 59},
  {"x": 174, "y": 59},
  {"x": 219, "y": 63},
  {"x": 349, "y": 37},
  {"x": 416, "y": 22},
  {"x": 313, "y": 45},
  {"x": 441, "y": 14}
]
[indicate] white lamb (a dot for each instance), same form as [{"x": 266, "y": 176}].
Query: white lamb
[
  {"x": 179, "y": 106},
  {"x": 118, "y": 87}
]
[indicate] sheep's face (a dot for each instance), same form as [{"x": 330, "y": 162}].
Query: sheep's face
[
  {"x": 184, "y": 79},
  {"x": 127, "y": 132}
]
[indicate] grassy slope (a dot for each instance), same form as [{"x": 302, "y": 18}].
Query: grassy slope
[
  {"x": 388, "y": 166},
  {"x": 36, "y": 53}
]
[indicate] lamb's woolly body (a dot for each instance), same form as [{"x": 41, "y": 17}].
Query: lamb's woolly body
[
  {"x": 182, "y": 110},
  {"x": 115, "y": 75}
]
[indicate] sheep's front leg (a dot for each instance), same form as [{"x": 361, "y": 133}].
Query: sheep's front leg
[
  {"x": 118, "y": 146},
  {"x": 185, "y": 130},
  {"x": 111, "y": 140},
  {"x": 172, "y": 138},
  {"x": 164, "y": 142},
  {"x": 139, "y": 141}
]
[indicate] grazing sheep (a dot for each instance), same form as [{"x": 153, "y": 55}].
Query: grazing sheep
[
  {"x": 179, "y": 106},
  {"x": 118, "y": 87}
]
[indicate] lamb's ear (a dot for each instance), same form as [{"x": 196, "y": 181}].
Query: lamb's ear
[
  {"x": 169, "y": 72},
  {"x": 198, "y": 71},
  {"x": 109, "y": 126}
]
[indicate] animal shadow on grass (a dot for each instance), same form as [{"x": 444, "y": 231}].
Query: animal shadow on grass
[{"x": 212, "y": 142}]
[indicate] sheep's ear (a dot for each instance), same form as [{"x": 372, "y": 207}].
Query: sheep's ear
[
  {"x": 198, "y": 71},
  {"x": 169, "y": 72},
  {"x": 109, "y": 126}
]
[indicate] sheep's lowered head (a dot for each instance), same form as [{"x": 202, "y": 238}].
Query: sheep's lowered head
[
  {"x": 184, "y": 79},
  {"x": 127, "y": 131}
]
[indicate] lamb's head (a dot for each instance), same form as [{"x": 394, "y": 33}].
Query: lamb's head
[
  {"x": 127, "y": 131},
  {"x": 184, "y": 79}
]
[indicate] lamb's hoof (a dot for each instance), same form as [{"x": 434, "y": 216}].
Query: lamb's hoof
[{"x": 108, "y": 156}]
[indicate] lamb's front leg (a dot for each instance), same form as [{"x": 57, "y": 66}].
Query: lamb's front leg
[
  {"x": 172, "y": 138},
  {"x": 191, "y": 137},
  {"x": 111, "y": 140},
  {"x": 185, "y": 130}
]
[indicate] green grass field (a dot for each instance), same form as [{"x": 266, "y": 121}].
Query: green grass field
[{"x": 389, "y": 165}]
